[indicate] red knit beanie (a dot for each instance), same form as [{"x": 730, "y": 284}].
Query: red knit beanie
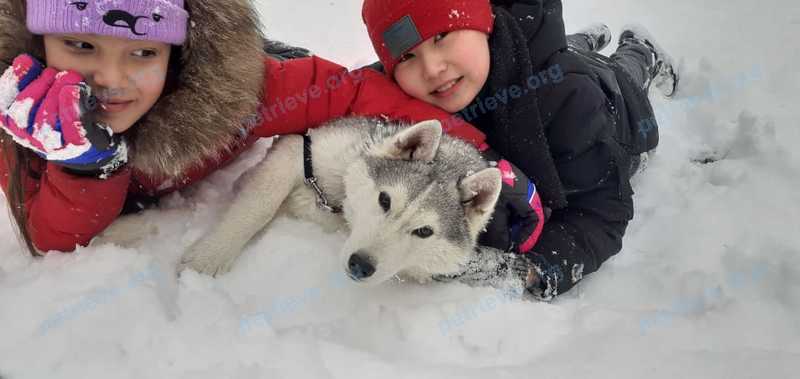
[{"x": 397, "y": 26}]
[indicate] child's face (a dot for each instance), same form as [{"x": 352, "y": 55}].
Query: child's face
[
  {"x": 448, "y": 70},
  {"x": 126, "y": 76}
]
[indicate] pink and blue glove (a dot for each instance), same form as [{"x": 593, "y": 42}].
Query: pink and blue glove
[
  {"x": 512, "y": 233},
  {"x": 51, "y": 113},
  {"x": 518, "y": 216}
]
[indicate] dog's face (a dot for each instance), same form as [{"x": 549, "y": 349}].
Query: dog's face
[{"x": 414, "y": 207}]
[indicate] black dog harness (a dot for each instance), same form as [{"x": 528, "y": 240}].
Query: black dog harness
[{"x": 311, "y": 181}]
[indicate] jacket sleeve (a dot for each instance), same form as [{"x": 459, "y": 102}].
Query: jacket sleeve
[
  {"x": 65, "y": 210},
  {"x": 303, "y": 93},
  {"x": 580, "y": 237}
]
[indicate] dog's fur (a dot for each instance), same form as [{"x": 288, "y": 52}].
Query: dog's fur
[{"x": 429, "y": 179}]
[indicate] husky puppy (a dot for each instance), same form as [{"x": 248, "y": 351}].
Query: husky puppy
[{"x": 412, "y": 199}]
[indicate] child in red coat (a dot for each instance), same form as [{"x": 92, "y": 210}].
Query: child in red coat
[{"x": 145, "y": 99}]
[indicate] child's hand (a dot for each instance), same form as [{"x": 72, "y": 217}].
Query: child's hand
[
  {"x": 518, "y": 215},
  {"x": 50, "y": 113}
]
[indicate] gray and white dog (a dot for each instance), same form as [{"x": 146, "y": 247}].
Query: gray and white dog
[{"x": 413, "y": 200}]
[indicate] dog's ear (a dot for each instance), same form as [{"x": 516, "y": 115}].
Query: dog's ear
[
  {"x": 419, "y": 142},
  {"x": 479, "y": 193}
]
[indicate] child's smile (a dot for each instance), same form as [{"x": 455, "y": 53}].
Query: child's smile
[
  {"x": 448, "y": 88},
  {"x": 114, "y": 106}
]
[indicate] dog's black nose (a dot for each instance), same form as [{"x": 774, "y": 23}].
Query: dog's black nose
[{"x": 360, "y": 266}]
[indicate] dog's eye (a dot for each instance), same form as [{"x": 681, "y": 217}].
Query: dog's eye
[
  {"x": 157, "y": 17},
  {"x": 385, "y": 201},
  {"x": 81, "y": 5},
  {"x": 423, "y": 232}
]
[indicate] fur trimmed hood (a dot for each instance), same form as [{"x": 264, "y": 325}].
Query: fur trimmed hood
[{"x": 220, "y": 84}]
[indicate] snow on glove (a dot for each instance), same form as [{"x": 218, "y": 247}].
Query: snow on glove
[
  {"x": 51, "y": 113},
  {"x": 518, "y": 215},
  {"x": 502, "y": 269}
]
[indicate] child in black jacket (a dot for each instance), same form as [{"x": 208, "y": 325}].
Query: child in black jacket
[{"x": 575, "y": 122}]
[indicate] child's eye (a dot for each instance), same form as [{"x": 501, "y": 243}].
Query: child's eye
[
  {"x": 405, "y": 57},
  {"x": 145, "y": 53},
  {"x": 440, "y": 36},
  {"x": 78, "y": 45}
]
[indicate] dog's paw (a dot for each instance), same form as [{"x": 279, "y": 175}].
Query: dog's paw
[{"x": 207, "y": 261}]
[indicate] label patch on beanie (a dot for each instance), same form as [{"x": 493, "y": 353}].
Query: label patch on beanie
[{"x": 401, "y": 36}]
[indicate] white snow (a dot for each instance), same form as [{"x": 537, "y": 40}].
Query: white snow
[
  {"x": 8, "y": 87},
  {"x": 48, "y": 136},
  {"x": 707, "y": 284}
]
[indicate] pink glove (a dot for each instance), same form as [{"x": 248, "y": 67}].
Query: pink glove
[
  {"x": 518, "y": 217},
  {"x": 50, "y": 112}
]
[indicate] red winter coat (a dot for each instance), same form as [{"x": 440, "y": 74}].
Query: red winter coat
[{"x": 66, "y": 210}]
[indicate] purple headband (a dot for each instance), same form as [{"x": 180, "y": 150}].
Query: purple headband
[{"x": 151, "y": 20}]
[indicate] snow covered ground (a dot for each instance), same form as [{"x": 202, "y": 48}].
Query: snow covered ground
[{"x": 707, "y": 285}]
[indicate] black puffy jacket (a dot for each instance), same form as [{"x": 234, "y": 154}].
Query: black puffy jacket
[{"x": 588, "y": 114}]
